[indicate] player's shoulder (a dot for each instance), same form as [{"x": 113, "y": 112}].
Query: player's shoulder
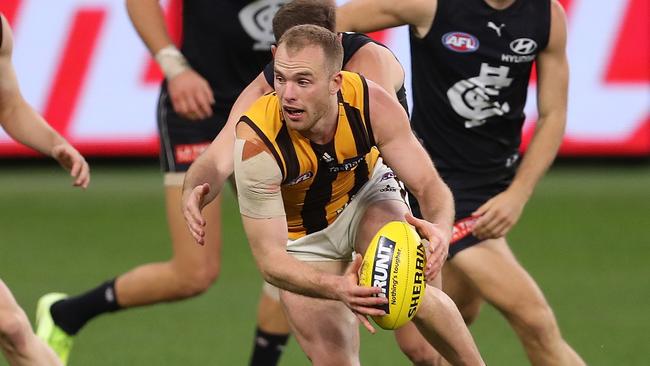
[
  {"x": 264, "y": 115},
  {"x": 263, "y": 105},
  {"x": 353, "y": 88}
]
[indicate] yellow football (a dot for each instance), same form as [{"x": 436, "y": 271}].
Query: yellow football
[{"x": 394, "y": 262}]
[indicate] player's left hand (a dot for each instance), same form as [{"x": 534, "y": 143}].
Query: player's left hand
[
  {"x": 499, "y": 214},
  {"x": 72, "y": 161},
  {"x": 363, "y": 301},
  {"x": 435, "y": 240}
]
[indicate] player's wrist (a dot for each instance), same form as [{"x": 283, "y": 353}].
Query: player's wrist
[
  {"x": 524, "y": 191},
  {"x": 171, "y": 61}
]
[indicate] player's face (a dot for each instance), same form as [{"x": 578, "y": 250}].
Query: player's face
[{"x": 304, "y": 85}]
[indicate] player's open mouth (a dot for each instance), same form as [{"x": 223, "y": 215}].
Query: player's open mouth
[{"x": 293, "y": 113}]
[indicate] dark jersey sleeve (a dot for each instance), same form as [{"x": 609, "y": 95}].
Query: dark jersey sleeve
[{"x": 268, "y": 73}]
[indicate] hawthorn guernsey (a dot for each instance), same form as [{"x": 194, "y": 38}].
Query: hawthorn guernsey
[{"x": 394, "y": 262}]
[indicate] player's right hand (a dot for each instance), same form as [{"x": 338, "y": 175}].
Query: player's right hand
[
  {"x": 72, "y": 161},
  {"x": 436, "y": 242},
  {"x": 360, "y": 299},
  {"x": 191, "y": 95},
  {"x": 193, "y": 202}
]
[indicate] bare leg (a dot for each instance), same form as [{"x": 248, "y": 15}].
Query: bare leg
[
  {"x": 272, "y": 331},
  {"x": 327, "y": 331},
  {"x": 19, "y": 344},
  {"x": 504, "y": 283},
  {"x": 463, "y": 292},
  {"x": 190, "y": 272},
  {"x": 414, "y": 345},
  {"x": 441, "y": 324},
  {"x": 270, "y": 314},
  {"x": 438, "y": 319}
]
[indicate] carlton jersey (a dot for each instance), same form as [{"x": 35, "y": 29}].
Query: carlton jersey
[
  {"x": 352, "y": 42},
  {"x": 318, "y": 181},
  {"x": 228, "y": 42},
  {"x": 470, "y": 80}
]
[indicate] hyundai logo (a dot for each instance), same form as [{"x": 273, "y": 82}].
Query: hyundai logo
[{"x": 523, "y": 46}]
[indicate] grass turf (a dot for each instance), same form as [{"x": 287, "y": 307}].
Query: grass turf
[{"x": 584, "y": 237}]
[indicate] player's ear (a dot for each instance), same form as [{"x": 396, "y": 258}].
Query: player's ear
[
  {"x": 273, "y": 49},
  {"x": 335, "y": 83}
]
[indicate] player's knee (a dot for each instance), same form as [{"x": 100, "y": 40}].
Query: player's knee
[
  {"x": 537, "y": 324},
  {"x": 195, "y": 281},
  {"x": 469, "y": 311}
]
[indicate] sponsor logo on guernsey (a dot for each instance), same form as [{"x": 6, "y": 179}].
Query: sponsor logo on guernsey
[
  {"x": 301, "y": 178},
  {"x": 382, "y": 268},
  {"x": 347, "y": 165},
  {"x": 523, "y": 46},
  {"x": 388, "y": 188},
  {"x": 387, "y": 176},
  {"x": 496, "y": 28},
  {"x": 418, "y": 280},
  {"x": 460, "y": 42},
  {"x": 524, "y": 49}
]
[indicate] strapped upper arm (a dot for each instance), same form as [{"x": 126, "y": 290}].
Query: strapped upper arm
[{"x": 258, "y": 177}]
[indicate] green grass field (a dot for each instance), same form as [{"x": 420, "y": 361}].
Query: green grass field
[{"x": 585, "y": 237}]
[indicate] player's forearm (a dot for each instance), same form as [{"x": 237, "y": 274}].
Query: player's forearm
[
  {"x": 204, "y": 170},
  {"x": 288, "y": 273},
  {"x": 437, "y": 203},
  {"x": 26, "y": 126},
  {"x": 149, "y": 21},
  {"x": 540, "y": 154},
  {"x": 365, "y": 16}
]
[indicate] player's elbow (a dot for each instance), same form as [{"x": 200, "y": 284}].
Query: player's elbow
[{"x": 271, "y": 272}]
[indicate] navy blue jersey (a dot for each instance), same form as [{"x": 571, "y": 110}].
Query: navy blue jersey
[
  {"x": 228, "y": 42},
  {"x": 470, "y": 80}
]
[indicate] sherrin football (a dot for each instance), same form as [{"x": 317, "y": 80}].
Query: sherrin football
[{"x": 395, "y": 262}]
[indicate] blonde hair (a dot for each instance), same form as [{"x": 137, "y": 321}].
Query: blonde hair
[{"x": 301, "y": 36}]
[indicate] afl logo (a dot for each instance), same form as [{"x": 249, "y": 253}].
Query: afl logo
[
  {"x": 460, "y": 42},
  {"x": 523, "y": 46}
]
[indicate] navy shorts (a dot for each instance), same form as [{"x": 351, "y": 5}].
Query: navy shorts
[
  {"x": 183, "y": 140},
  {"x": 467, "y": 200}
]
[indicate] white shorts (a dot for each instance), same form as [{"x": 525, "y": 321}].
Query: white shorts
[{"x": 336, "y": 242}]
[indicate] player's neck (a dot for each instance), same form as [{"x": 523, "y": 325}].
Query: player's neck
[{"x": 499, "y": 4}]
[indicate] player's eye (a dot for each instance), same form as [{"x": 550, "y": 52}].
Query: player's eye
[
  {"x": 303, "y": 82},
  {"x": 279, "y": 79}
]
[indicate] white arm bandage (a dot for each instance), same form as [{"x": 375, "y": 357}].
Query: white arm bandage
[
  {"x": 258, "y": 180},
  {"x": 171, "y": 61}
]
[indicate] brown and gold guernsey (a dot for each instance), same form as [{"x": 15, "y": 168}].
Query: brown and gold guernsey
[{"x": 318, "y": 181}]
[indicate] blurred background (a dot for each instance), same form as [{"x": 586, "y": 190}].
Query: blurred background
[{"x": 585, "y": 235}]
